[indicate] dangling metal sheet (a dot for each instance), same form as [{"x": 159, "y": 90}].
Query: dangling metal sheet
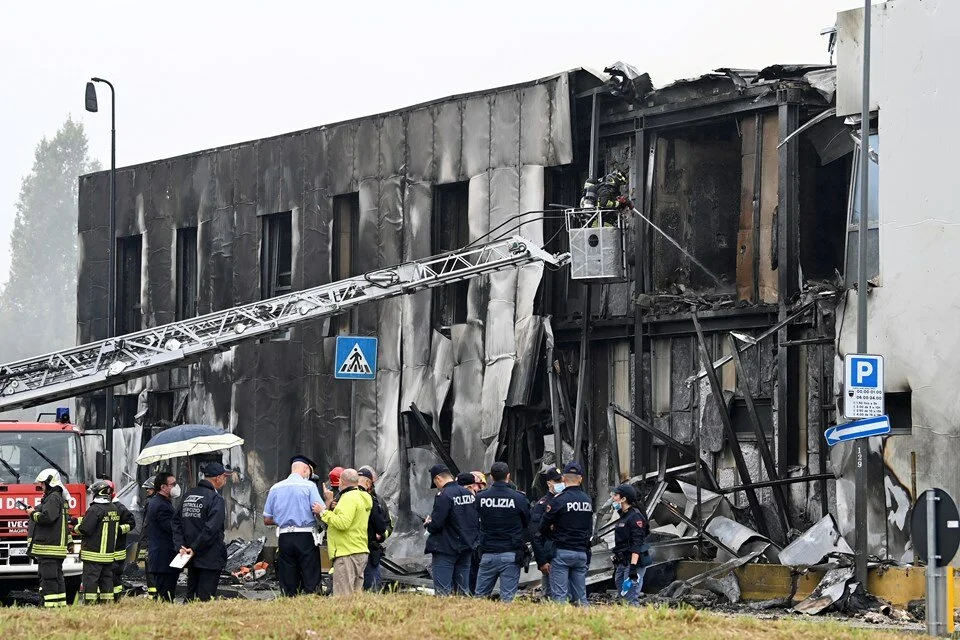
[
  {"x": 476, "y": 145},
  {"x": 447, "y": 142},
  {"x": 419, "y": 144}
]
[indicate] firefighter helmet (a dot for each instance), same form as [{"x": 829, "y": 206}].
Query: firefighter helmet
[
  {"x": 50, "y": 476},
  {"x": 101, "y": 489}
]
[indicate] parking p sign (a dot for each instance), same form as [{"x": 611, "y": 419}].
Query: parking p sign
[{"x": 863, "y": 386}]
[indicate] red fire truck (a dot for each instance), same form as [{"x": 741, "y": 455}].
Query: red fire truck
[{"x": 26, "y": 448}]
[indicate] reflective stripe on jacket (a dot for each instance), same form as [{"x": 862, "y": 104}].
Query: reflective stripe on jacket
[
  {"x": 99, "y": 533},
  {"x": 48, "y": 527}
]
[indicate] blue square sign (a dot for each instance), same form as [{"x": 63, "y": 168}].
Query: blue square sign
[
  {"x": 356, "y": 358},
  {"x": 863, "y": 386},
  {"x": 864, "y": 371}
]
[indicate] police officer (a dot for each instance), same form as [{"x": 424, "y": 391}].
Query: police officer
[
  {"x": 473, "y": 481},
  {"x": 158, "y": 524},
  {"x": 127, "y": 523},
  {"x": 292, "y": 506},
  {"x": 543, "y": 548},
  {"x": 504, "y": 515},
  {"x": 568, "y": 522},
  {"x": 453, "y": 533},
  {"x": 47, "y": 542},
  {"x": 198, "y": 531},
  {"x": 629, "y": 549},
  {"x": 98, "y": 532}
]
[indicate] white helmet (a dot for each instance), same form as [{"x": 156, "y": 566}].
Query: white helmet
[{"x": 50, "y": 476}]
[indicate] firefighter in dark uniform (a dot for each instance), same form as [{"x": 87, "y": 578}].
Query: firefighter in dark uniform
[
  {"x": 453, "y": 533},
  {"x": 128, "y": 523},
  {"x": 504, "y": 516},
  {"x": 629, "y": 550},
  {"x": 98, "y": 531},
  {"x": 568, "y": 522},
  {"x": 47, "y": 538},
  {"x": 198, "y": 531},
  {"x": 543, "y": 547},
  {"x": 144, "y": 546}
]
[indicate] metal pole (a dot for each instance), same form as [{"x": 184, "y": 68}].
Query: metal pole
[
  {"x": 111, "y": 268},
  {"x": 861, "y": 447},
  {"x": 933, "y": 598}
]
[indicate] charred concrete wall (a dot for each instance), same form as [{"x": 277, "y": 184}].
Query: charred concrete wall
[
  {"x": 913, "y": 306},
  {"x": 280, "y": 395}
]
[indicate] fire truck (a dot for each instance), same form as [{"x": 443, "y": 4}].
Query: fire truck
[{"x": 26, "y": 448}]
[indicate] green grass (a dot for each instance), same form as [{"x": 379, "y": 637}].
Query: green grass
[{"x": 402, "y": 617}]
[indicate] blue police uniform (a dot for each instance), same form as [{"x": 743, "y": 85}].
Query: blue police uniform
[
  {"x": 504, "y": 515},
  {"x": 289, "y": 504},
  {"x": 568, "y": 522},
  {"x": 453, "y": 537},
  {"x": 543, "y": 549},
  {"x": 629, "y": 536}
]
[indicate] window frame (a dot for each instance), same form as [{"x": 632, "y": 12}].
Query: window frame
[
  {"x": 270, "y": 250},
  {"x": 187, "y": 279}
]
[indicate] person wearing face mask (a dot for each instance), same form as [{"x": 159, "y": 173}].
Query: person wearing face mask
[
  {"x": 292, "y": 506},
  {"x": 629, "y": 550},
  {"x": 158, "y": 522},
  {"x": 568, "y": 521},
  {"x": 198, "y": 529},
  {"x": 543, "y": 549}
]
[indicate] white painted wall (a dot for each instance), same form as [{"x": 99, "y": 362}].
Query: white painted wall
[{"x": 914, "y": 316}]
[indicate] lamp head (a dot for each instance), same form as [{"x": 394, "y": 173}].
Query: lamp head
[{"x": 91, "y": 98}]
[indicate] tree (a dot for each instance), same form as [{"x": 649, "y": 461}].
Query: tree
[{"x": 38, "y": 303}]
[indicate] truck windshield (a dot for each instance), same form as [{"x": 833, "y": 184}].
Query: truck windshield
[{"x": 24, "y": 451}]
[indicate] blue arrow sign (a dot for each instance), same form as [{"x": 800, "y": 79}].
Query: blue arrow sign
[{"x": 878, "y": 426}]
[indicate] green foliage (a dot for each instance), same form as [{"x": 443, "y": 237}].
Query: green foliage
[{"x": 38, "y": 303}]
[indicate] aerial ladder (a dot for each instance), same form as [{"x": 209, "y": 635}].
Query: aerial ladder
[{"x": 106, "y": 363}]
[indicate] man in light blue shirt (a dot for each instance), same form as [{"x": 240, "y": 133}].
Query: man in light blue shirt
[{"x": 292, "y": 506}]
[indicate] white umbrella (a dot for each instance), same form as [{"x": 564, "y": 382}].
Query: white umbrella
[{"x": 187, "y": 440}]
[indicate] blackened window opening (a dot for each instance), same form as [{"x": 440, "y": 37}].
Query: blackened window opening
[
  {"x": 186, "y": 273},
  {"x": 128, "y": 310},
  {"x": 276, "y": 255},
  {"x": 451, "y": 231},
  {"x": 346, "y": 217}
]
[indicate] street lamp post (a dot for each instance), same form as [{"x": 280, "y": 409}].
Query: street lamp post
[{"x": 91, "y": 105}]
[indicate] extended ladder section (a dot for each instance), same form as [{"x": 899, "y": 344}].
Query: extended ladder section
[{"x": 102, "y": 364}]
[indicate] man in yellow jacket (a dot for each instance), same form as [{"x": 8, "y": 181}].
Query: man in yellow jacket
[{"x": 347, "y": 532}]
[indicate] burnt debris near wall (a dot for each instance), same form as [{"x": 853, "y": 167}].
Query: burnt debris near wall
[{"x": 733, "y": 252}]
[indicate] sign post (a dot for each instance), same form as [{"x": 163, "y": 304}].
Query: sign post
[
  {"x": 863, "y": 398},
  {"x": 935, "y": 532},
  {"x": 356, "y": 360}
]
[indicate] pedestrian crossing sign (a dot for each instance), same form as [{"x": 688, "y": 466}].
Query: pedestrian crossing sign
[{"x": 356, "y": 358}]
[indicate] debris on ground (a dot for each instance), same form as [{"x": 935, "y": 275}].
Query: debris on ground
[{"x": 241, "y": 553}]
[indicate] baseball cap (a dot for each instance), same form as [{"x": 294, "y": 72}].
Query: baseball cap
[
  {"x": 214, "y": 469},
  {"x": 365, "y": 473},
  {"x": 553, "y": 474},
  {"x": 466, "y": 478},
  {"x": 436, "y": 470},
  {"x": 626, "y": 491},
  {"x": 305, "y": 460},
  {"x": 573, "y": 469},
  {"x": 335, "y": 476},
  {"x": 499, "y": 467}
]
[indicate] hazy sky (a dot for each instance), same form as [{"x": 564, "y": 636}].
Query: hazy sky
[{"x": 193, "y": 75}]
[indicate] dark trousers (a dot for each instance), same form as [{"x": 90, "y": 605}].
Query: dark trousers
[
  {"x": 451, "y": 573},
  {"x": 97, "y": 582},
  {"x": 164, "y": 585},
  {"x": 51, "y": 582},
  {"x": 151, "y": 585},
  {"x": 117, "y": 571},
  {"x": 202, "y": 583},
  {"x": 298, "y": 563},
  {"x": 371, "y": 577}
]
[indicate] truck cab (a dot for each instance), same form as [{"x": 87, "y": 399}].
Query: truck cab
[{"x": 26, "y": 448}]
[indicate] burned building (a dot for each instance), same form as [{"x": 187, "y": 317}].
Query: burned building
[{"x": 732, "y": 247}]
